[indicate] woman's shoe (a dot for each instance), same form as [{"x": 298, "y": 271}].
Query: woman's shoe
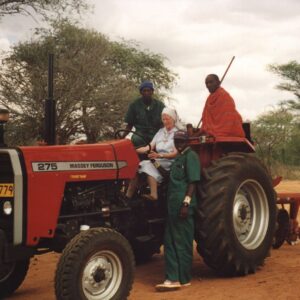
[
  {"x": 186, "y": 284},
  {"x": 168, "y": 285}
]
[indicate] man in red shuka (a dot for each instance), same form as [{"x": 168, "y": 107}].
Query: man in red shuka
[{"x": 220, "y": 117}]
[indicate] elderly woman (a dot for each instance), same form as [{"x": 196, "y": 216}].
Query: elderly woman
[{"x": 162, "y": 150}]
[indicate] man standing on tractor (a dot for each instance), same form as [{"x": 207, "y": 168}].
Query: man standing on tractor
[
  {"x": 220, "y": 117},
  {"x": 179, "y": 234},
  {"x": 144, "y": 114}
]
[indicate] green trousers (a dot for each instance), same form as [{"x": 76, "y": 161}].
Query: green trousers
[{"x": 178, "y": 248}]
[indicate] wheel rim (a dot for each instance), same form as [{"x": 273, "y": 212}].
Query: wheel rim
[
  {"x": 6, "y": 270},
  {"x": 250, "y": 214},
  {"x": 102, "y": 276}
]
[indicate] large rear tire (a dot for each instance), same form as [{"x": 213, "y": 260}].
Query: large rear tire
[
  {"x": 236, "y": 215},
  {"x": 96, "y": 264},
  {"x": 11, "y": 276}
]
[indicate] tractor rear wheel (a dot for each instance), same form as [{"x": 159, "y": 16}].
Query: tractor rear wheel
[
  {"x": 96, "y": 264},
  {"x": 12, "y": 275},
  {"x": 236, "y": 215}
]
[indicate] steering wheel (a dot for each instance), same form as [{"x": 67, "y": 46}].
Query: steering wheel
[{"x": 118, "y": 135}]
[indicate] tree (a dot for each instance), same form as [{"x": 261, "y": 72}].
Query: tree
[
  {"x": 290, "y": 72},
  {"x": 40, "y": 7},
  {"x": 95, "y": 79},
  {"x": 272, "y": 132}
]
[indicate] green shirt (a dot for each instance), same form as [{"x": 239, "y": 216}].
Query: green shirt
[
  {"x": 184, "y": 170},
  {"x": 145, "y": 119}
]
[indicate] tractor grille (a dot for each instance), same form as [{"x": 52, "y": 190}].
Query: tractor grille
[{"x": 6, "y": 177}]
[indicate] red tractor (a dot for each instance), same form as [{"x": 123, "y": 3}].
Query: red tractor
[{"x": 69, "y": 199}]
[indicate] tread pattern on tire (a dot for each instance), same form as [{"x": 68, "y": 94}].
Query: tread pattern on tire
[
  {"x": 215, "y": 237},
  {"x": 16, "y": 278},
  {"x": 64, "y": 277}
]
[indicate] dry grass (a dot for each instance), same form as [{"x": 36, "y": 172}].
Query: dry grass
[{"x": 286, "y": 172}]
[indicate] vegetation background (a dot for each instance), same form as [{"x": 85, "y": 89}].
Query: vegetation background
[{"x": 96, "y": 78}]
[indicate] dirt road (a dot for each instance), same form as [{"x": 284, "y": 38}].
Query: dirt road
[{"x": 278, "y": 279}]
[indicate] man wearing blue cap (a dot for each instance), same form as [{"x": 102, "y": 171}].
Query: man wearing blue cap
[
  {"x": 179, "y": 234},
  {"x": 144, "y": 114}
]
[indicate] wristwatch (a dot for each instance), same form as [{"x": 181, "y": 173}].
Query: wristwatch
[{"x": 187, "y": 200}]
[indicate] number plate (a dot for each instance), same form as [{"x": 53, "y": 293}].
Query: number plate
[{"x": 6, "y": 190}]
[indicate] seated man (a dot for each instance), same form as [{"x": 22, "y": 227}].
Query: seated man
[
  {"x": 220, "y": 117},
  {"x": 144, "y": 114}
]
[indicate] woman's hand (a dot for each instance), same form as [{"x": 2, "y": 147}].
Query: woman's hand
[{"x": 153, "y": 155}]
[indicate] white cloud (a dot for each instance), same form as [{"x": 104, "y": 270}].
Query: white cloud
[
  {"x": 4, "y": 44},
  {"x": 17, "y": 27},
  {"x": 198, "y": 38}
]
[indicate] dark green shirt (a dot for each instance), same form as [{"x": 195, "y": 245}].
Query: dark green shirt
[
  {"x": 145, "y": 119},
  {"x": 184, "y": 170}
]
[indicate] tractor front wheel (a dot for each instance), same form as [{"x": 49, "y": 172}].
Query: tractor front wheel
[
  {"x": 12, "y": 275},
  {"x": 236, "y": 215},
  {"x": 96, "y": 264}
]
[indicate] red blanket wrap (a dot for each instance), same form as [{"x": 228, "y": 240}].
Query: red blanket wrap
[{"x": 220, "y": 117}]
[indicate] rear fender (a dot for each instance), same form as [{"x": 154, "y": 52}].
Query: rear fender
[{"x": 212, "y": 148}]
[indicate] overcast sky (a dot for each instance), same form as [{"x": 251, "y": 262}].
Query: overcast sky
[{"x": 198, "y": 38}]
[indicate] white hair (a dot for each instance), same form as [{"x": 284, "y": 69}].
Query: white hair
[{"x": 173, "y": 114}]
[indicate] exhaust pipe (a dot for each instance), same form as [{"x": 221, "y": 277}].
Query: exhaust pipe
[{"x": 50, "y": 107}]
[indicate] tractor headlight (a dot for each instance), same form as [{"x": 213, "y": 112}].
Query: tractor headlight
[{"x": 7, "y": 208}]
